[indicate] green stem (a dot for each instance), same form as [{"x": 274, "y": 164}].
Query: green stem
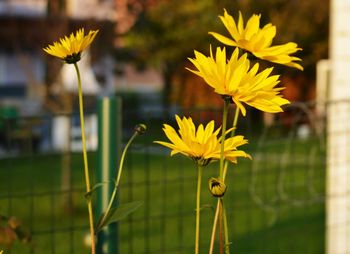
[
  {"x": 227, "y": 243},
  {"x": 223, "y": 172},
  {"x": 223, "y": 134},
  {"x": 213, "y": 232},
  {"x": 234, "y": 126},
  {"x": 86, "y": 166},
  {"x": 198, "y": 203},
  {"x": 222, "y": 156},
  {"x": 222, "y": 162},
  {"x": 220, "y": 231},
  {"x": 114, "y": 194}
]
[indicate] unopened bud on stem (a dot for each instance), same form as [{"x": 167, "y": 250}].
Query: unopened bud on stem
[
  {"x": 217, "y": 187},
  {"x": 140, "y": 128}
]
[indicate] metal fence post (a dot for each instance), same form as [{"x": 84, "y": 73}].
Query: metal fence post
[{"x": 109, "y": 143}]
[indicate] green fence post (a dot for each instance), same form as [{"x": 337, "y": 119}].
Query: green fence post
[{"x": 108, "y": 154}]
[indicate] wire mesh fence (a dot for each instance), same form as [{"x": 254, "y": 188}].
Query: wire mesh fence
[{"x": 275, "y": 202}]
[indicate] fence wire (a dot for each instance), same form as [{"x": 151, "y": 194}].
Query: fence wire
[{"x": 276, "y": 202}]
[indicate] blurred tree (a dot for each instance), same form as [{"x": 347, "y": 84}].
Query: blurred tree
[
  {"x": 56, "y": 7},
  {"x": 166, "y": 32}
]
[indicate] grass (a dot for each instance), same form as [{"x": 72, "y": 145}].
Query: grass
[{"x": 275, "y": 202}]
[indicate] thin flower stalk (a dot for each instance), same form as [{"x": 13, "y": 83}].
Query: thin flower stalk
[
  {"x": 220, "y": 201},
  {"x": 223, "y": 135},
  {"x": 222, "y": 174},
  {"x": 234, "y": 127},
  {"x": 213, "y": 232},
  {"x": 86, "y": 166},
  {"x": 225, "y": 225},
  {"x": 226, "y": 231},
  {"x": 222, "y": 163},
  {"x": 198, "y": 206},
  {"x": 220, "y": 231},
  {"x": 117, "y": 180}
]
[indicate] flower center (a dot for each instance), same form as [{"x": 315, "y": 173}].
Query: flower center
[{"x": 73, "y": 58}]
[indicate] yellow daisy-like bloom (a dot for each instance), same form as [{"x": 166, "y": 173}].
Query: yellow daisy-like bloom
[
  {"x": 202, "y": 144},
  {"x": 69, "y": 48},
  {"x": 234, "y": 78},
  {"x": 258, "y": 40}
]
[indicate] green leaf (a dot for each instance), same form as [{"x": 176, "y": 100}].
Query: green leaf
[
  {"x": 94, "y": 188},
  {"x": 117, "y": 214}
]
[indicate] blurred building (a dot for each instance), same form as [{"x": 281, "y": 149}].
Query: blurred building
[
  {"x": 26, "y": 26},
  {"x": 33, "y": 83}
]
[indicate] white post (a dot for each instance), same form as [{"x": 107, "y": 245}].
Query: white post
[
  {"x": 322, "y": 86},
  {"x": 338, "y": 150},
  {"x": 60, "y": 133}
]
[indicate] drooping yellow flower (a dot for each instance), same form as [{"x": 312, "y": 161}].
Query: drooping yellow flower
[
  {"x": 234, "y": 78},
  {"x": 258, "y": 40},
  {"x": 202, "y": 144},
  {"x": 69, "y": 48}
]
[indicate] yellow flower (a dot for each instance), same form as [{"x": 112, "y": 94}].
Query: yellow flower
[
  {"x": 69, "y": 48},
  {"x": 258, "y": 40},
  {"x": 234, "y": 78},
  {"x": 202, "y": 144}
]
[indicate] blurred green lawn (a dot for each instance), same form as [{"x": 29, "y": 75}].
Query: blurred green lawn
[{"x": 285, "y": 214}]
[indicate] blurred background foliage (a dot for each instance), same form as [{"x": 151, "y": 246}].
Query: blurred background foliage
[{"x": 166, "y": 33}]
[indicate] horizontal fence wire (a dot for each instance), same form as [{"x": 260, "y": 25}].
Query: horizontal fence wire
[{"x": 275, "y": 202}]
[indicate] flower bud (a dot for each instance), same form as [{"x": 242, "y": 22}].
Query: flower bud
[
  {"x": 217, "y": 187},
  {"x": 140, "y": 128}
]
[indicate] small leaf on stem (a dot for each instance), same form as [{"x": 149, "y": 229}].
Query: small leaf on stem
[
  {"x": 88, "y": 195},
  {"x": 117, "y": 214}
]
